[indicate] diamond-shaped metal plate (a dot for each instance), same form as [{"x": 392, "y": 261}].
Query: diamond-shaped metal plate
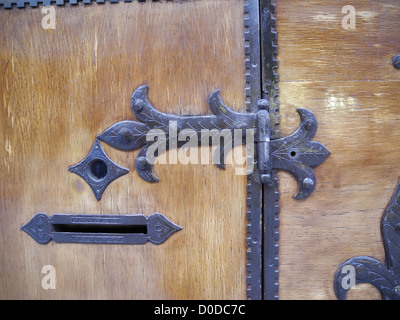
[{"x": 98, "y": 170}]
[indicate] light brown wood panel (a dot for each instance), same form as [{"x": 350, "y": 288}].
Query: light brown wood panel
[
  {"x": 347, "y": 79},
  {"x": 318, "y": 48},
  {"x": 60, "y": 88}
]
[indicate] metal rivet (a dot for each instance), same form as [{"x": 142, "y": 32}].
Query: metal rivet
[
  {"x": 138, "y": 104},
  {"x": 397, "y": 290},
  {"x": 396, "y": 61},
  {"x": 125, "y": 135},
  {"x": 263, "y": 104},
  {"x": 142, "y": 163},
  {"x": 308, "y": 125},
  {"x": 267, "y": 179},
  {"x": 308, "y": 183}
]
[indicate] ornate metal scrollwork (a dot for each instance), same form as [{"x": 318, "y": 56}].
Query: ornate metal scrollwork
[
  {"x": 295, "y": 153},
  {"x": 298, "y": 155},
  {"x": 131, "y": 135},
  {"x": 384, "y": 276}
]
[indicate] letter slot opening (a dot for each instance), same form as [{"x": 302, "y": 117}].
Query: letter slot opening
[{"x": 99, "y": 228}]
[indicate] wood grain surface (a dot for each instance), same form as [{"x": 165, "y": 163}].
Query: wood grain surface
[
  {"x": 346, "y": 77},
  {"x": 60, "y": 89}
]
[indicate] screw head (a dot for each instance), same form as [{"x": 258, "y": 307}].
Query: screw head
[
  {"x": 125, "y": 136},
  {"x": 263, "y": 104},
  {"x": 267, "y": 179},
  {"x": 308, "y": 125},
  {"x": 138, "y": 104},
  {"x": 396, "y": 61},
  {"x": 308, "y": 183},
  {"x": 142, "y": 163}
]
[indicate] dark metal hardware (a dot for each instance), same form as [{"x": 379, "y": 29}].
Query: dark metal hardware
[
  {"x": 295, "y": 153},
  {"x": 98, "y": 170},
  {"x": 384, "y": 276},
  {"x": 259, "y": 206},
  {"x": 396, "y": 61},
  {"x": 100, "y": 229}
]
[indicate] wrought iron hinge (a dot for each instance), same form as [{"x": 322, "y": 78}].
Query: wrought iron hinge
[
  {"x": 363, "y": 269},
  {"x": 158, "y": 132}
]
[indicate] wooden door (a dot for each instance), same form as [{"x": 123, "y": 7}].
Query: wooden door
[
  {"x": 62, "y": 87},
  {"x": 347, "y": 78}
]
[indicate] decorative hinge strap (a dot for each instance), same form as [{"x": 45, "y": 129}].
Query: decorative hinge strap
[
  {"x": 363, "y": 269},
  {"x": 157, "y": 132}
]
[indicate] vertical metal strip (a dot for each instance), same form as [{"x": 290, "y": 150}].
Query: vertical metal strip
[
  {"x": 252, "y": 55},
  {"x": 270, "y": 91},
  {"x": 271, "y": 240},
  {"x": 269, "y": 63},
  {"x": 254, "y": 197}
]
